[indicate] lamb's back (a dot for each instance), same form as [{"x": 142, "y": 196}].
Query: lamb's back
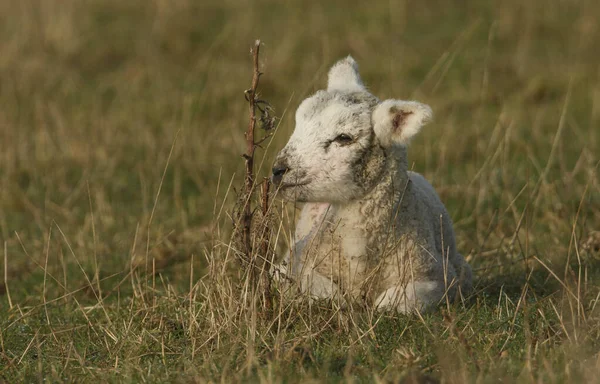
[{"x": 437, "y": 221}]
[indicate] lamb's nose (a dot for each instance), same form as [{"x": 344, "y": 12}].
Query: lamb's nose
[{"x": 279, "y": 169}]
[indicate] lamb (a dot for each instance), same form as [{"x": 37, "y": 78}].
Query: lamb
[{"x": 370, "y": 230}]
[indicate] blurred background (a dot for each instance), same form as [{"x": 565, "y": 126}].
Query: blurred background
[
  {"x": 94, "y": 95},
  {"x": 121, "y": 133}
]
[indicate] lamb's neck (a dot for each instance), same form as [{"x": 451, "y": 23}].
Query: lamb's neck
[{"x": 380, "y": 204}]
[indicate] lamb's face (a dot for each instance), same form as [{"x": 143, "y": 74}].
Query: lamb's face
[
  {"x": 333, "y": 154},
  {"x": 339, "y": 148}
]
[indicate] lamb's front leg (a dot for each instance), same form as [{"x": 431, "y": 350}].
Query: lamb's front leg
[
  {"x": 419, "y": 296},
  {"x": 318, "y": 286},
  {"x": 292, "y": 268},
  {"x": 309, "y": 282}
]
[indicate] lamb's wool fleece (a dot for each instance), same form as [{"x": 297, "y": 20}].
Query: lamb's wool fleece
[{"x": 370, "y": 230}]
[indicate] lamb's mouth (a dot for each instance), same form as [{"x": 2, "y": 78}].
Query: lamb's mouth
[{"x": 283, "y": 186}]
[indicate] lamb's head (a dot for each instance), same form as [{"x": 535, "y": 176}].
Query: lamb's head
[{"x": 344, "y": 140}]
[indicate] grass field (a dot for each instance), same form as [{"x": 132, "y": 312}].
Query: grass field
[{"x": 121, "y": 130}]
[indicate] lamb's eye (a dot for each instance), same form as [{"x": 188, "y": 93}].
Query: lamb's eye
[{"x": 343, "y": 139}]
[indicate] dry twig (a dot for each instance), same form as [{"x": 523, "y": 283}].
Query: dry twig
[{"x": 258, "y": 262}]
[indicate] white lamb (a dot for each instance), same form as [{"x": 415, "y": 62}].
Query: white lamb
[{"x": 370, "y": 231}]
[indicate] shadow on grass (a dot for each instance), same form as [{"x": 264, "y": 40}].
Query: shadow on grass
[{"x": 539, "y": 282}]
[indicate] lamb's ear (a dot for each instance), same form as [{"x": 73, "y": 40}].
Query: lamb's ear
[
  {"x": 397, "y": 121},
  {"x": 343, "y": 76}
]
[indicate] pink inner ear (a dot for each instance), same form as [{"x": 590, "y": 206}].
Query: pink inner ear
[{"x": 399, "y": 118}]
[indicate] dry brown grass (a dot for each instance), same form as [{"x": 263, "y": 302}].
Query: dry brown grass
[{"x": 106, "y": 103}]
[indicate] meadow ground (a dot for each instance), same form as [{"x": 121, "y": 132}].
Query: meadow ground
[{"x": 121, "y": 129}]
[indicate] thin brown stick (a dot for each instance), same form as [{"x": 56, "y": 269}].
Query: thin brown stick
[
  {"x": 253, "y": 230},
  {"x": 249, "y": 156},
  {"x": 266, "y": 265}
]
